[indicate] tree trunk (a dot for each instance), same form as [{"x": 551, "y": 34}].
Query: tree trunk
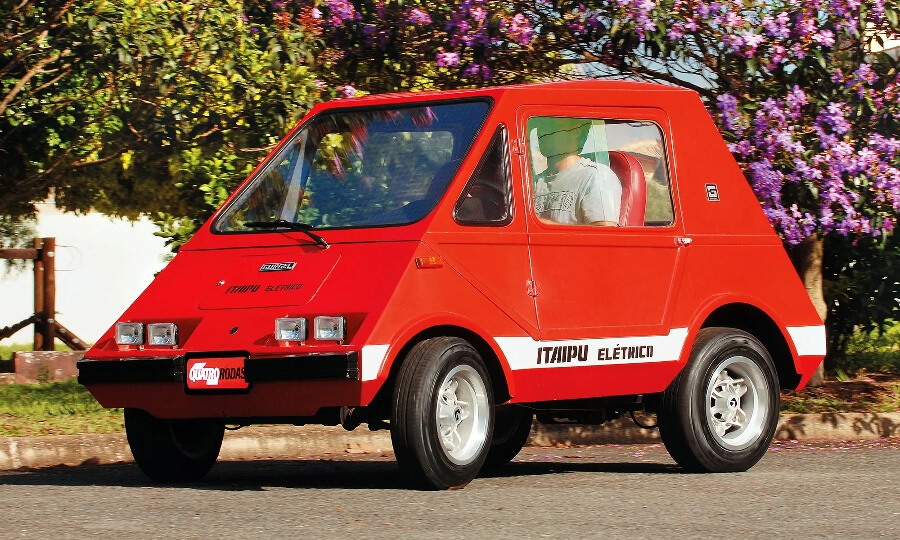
[{"x": 807, "y": 259}]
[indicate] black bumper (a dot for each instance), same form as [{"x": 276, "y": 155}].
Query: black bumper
[{"x": 340, "y": 366}]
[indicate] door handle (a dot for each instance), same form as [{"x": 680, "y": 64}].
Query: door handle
[{"x": 683, "y": 241}]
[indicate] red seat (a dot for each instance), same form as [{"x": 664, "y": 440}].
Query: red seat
[{"x": 634, "y": 188}]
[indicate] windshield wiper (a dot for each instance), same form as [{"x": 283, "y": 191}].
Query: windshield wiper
[{"x": 285, "y": 224}]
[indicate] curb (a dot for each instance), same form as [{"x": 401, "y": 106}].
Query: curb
[{"x": 299, "y": 442}]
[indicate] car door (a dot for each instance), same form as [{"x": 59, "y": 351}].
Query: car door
[
  {"x": 603, "y": 289},
  {"x": 487, "y": 242}
]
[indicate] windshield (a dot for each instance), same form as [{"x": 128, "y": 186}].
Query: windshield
[{"x": 359, "y": 168}]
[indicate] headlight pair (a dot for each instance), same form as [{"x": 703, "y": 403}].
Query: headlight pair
[
  {"x": 324, "y": 328},
  {"x": 157, "y": 334}
]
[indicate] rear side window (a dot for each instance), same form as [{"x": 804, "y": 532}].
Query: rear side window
[
  {"x": 487, "y": 199},
  {"x": 588, "y": 171}
]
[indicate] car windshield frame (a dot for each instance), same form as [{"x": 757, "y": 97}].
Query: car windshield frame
[{"x": 406, "y": 144}]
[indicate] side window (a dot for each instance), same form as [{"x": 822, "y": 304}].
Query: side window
[
  {"x": 487, "y": 199},
  {"x": 599, "y": 172},
  {"x": 643, "y": 142}
]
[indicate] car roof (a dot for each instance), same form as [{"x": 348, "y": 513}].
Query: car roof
[{"x": 547, "y": 92}]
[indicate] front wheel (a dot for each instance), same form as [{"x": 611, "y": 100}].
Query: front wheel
[
  {"x": 172, "y": 451},
  {"x": 442, "y": 413},
  {"x": 721, "y": 412}
]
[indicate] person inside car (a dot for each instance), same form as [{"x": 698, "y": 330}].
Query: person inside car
[{"x": 573, "y": 190}]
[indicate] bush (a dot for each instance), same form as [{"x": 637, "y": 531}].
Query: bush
[{"x": 875, "y": 351}]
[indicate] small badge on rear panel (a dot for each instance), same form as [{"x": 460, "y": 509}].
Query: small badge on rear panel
[{"x": 277, "y": 267}]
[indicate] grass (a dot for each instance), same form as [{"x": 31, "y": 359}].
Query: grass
[
  {"x": 65, "y": 408},
  {"x": 867, "y": 378},
  {"x": 892, "y": 402},
  {"x": 859, "y": 391},
  {"x": 877, "y": 393},
  {"x": 6, "y": 356},
  {"x": 868, "y": 381},
  {"x": 7, "y": 351},
  {"x": 56, "y": 408}
]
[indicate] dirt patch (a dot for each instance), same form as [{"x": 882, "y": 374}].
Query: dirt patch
[{"x": 867, "y": 392}]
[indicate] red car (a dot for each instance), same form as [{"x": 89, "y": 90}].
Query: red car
[{"x": 452, "y": 265}]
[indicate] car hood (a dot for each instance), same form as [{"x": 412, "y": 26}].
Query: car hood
[
  {"x": 212, "y": 293},
  {"x": 278, "y": 279}
]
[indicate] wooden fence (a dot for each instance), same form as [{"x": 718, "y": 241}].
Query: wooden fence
[{"x": 46, "y": 327}]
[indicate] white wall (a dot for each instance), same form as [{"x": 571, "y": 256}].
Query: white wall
[{"x": 102, "y": 265}]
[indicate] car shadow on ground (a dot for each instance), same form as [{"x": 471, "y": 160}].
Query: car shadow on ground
[{"x": 258, "y": 475}]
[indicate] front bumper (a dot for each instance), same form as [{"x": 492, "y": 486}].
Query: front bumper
[{"x": 310, "y": 367}]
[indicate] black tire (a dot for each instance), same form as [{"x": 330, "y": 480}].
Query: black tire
[
  {"x": 173, "y": 451},
  {"x": 512, "y": 427},
  {"x": 436, "y": 378},
  {"x": 720, "y": 413}
]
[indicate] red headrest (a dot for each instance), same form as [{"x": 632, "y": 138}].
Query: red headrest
[{"x": 634, "y": 188}]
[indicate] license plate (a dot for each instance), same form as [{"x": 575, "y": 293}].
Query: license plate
[{"x": 216, "y": 373}]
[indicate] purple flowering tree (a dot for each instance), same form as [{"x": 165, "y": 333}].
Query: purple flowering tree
[
  {"x": 800, "y": 88},
  {"x": 808, "y": 106},
  {"x": 384, "y": 46}
]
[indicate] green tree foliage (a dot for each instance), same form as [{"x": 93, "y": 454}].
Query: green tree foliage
[
  {"x": 227, "y": 86},
  {"x": 14, "y": 233},
  {"x": 53, "y": 99},
  {"x": 862, "y": 284},
  {"x": 140, "y": 106}
]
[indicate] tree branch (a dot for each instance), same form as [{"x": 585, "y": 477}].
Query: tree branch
[
  {"x": 27, "y": 77},
  {"x": 134, "y": 130},
  {"x": 263, "y": 149},
  {"x": 66, "y": 70},
  {"x": 644, "y": 71},
  {"x": 208, "y": 133},
  {"x": 23, "y": 57},
  {"x": 49, "y": 23},
  {"x": 31, "y": 186},
  {"x": 107, "y": 159}
]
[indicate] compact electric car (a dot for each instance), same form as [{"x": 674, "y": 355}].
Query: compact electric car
[{"x": 453, "y": 265}]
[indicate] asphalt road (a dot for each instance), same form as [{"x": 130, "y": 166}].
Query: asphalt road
[{"x": 836, "y": 490}]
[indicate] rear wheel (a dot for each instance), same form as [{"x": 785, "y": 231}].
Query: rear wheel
[
  {"x": 172, "y": 451},
  {"x": 442, "y": 413},
  {"x": 512, "y": 427},
  {"x": 721, "y": 412}
]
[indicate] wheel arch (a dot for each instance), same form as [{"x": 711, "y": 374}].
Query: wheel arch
[
  {"x": 500, "y": 383},
  {"x": 760, "y": 325}
]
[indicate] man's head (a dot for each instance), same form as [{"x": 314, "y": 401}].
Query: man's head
[{"x": 562, "y": 136}]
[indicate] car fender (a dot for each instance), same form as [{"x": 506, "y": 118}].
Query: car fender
[
  {"x": 423, "y": 326},
  {"x": 805, "y": 340}
]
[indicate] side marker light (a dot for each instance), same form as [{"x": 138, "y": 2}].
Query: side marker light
[{"x": 429, "y": 262}]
